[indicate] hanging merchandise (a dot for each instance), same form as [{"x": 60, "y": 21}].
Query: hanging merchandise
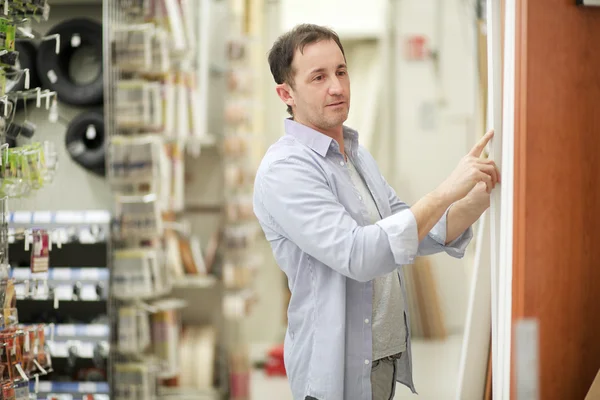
[
  {"x": 197, "y": 353},
  {"x": 136, "y": 381},
  {"x": 75, "y": 72},
  {"x": 15, "y": 77},
  {"x": 139, "y": 274},
  {"x": 40, "y": 253},
  {"x": 134, "y": 330},
  {"x": 85, "y": 141},
  {"x": 138, "y": 217},
  {"x": 157, "y": 114},
  {"x": 139, "y": 105},
  {"x": 142, "y": 48},
  {"x": 135, "y": 159},
  {"x": 165, "y": 339},
  {"x": 26, "y": 168},
  {"x": 27, "y": 346}
]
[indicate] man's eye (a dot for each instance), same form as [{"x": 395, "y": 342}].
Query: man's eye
[
  {"x": 318, "y": 77},
  {"x": 342, "y": 73}
]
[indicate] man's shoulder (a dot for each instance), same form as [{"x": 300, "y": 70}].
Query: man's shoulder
[{"x": 285, "y": 150}]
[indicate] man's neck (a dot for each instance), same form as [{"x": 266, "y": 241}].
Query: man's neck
[{"x": 336, "y": 133}]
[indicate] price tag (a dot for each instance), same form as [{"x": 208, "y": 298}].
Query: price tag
[
  {"x": 21, "y": 274},
  {"x": 22, "y": 217},
  {"x": 42, "y": 291},
  {"x": 88, "y": 292},
  {"x": 97, "y": 330},
  {"x": 42, "y": 217},
  {"x": 64, "y": 292},
  {"x": 61, "y": 274},
  {"x": 89, "y": 274},
  {"x": 20, "y": 291},
  {"x": 69, "y": 217},
  {"x": 86, "y": 350},
  {"x": 88, "y": 387},
  {"x": 59, "y": 349},
  {"x": 97, "y": 217},
  {"x": 45, "y": 386},
  {"x": 66, "y": 330}
]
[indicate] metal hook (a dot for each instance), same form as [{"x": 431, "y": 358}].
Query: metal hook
[
  {"x": 26, "y": 72},
  {"x": 25, "y": 33},
  {"x": 56, "y": 37}
]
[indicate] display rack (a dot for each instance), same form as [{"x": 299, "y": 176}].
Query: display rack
[
  {"x": 156, "y": 108},
  {"x": 38, "y": 347}
]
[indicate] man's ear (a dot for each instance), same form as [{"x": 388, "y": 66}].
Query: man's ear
[{"x": 285, "y": 94}]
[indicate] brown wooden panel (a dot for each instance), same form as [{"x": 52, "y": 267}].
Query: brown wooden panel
[{"x": 557, "y": 190}]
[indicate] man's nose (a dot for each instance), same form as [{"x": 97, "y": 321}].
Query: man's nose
[{"x": 335, "y": 88}]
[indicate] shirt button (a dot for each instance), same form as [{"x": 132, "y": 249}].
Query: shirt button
[
  {"x": 341, "y": 163},
  {"x": 366, "y": 362},
  {"x": 367, "y": 321},
  {"x": 360, "y": 197}
]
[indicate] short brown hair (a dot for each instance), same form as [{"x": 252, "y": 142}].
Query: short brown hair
[{"x": 281, "y": 54}]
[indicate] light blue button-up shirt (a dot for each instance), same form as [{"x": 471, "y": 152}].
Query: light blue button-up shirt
[{"x": 317, "y": 226}]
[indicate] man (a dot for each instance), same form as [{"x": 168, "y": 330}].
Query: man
[{"x": 341, "y": 235}]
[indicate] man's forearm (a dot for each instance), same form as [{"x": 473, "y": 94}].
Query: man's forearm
[
  {"x": 461, "y": 216},
  {"x": 428, "y": 211}
]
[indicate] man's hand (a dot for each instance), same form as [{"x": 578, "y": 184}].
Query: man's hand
[
  {"x": 470, "y": 171},
  {"x": 466, "y": 211},
  {"x": 479, "y": 198}
]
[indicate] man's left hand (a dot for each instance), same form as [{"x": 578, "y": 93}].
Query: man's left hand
[{"x": 479, "y": 198}]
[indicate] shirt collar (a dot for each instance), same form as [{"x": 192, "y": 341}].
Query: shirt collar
[{"x": 319, "y": 142}]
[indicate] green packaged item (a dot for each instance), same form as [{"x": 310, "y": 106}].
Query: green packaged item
[
  {"x": 2, "y": 83},
  {"x": 7, "y": 35}
]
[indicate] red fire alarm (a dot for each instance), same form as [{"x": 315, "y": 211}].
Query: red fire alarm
[{"x": 416, "y": 48}]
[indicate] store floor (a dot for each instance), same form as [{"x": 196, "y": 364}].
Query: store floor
[{"x": 435, "y": 369}]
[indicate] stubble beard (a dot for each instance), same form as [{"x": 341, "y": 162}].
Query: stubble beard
[{"x": 334, "y": 119}]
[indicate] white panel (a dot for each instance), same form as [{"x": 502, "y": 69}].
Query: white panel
[
  {"x": 349, "y": 18},
  {"x": 476, "y": 340},
  {"x": 494, "y": 18},
  {"x": 505, "y": 262}
]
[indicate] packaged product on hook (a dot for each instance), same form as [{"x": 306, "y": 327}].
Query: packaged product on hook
[{"x": 40, "y": 252}]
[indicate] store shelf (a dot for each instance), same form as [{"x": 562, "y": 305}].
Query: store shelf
[
  {"x": 64, "y": 274},
  {"x": 57, "y": 219},
  {"x": 89, "y": 332},
  {"x": 62, "y": 349},
  {"x": 83, "y": 388},
  {"x": 189, "y": 394},
  {"x": 75, "y": 397},
  {"x": 198, "y": 282}
]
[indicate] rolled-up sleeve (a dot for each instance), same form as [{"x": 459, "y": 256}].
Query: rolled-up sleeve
[
  {"x": 293, "y": 196},
  {"x": 402, "y": 234},
  {"x": 435, "y": 242}
]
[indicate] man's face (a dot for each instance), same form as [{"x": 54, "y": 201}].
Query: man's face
[{"x": 320, "y": 97}]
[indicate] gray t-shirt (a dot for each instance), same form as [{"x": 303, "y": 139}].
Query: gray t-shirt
[{"x": 389, "y": 330}]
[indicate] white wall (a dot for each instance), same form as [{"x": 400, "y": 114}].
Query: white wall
[
  {"x": 350, "y": 19},
  {"x": 435, "y": 118}
]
